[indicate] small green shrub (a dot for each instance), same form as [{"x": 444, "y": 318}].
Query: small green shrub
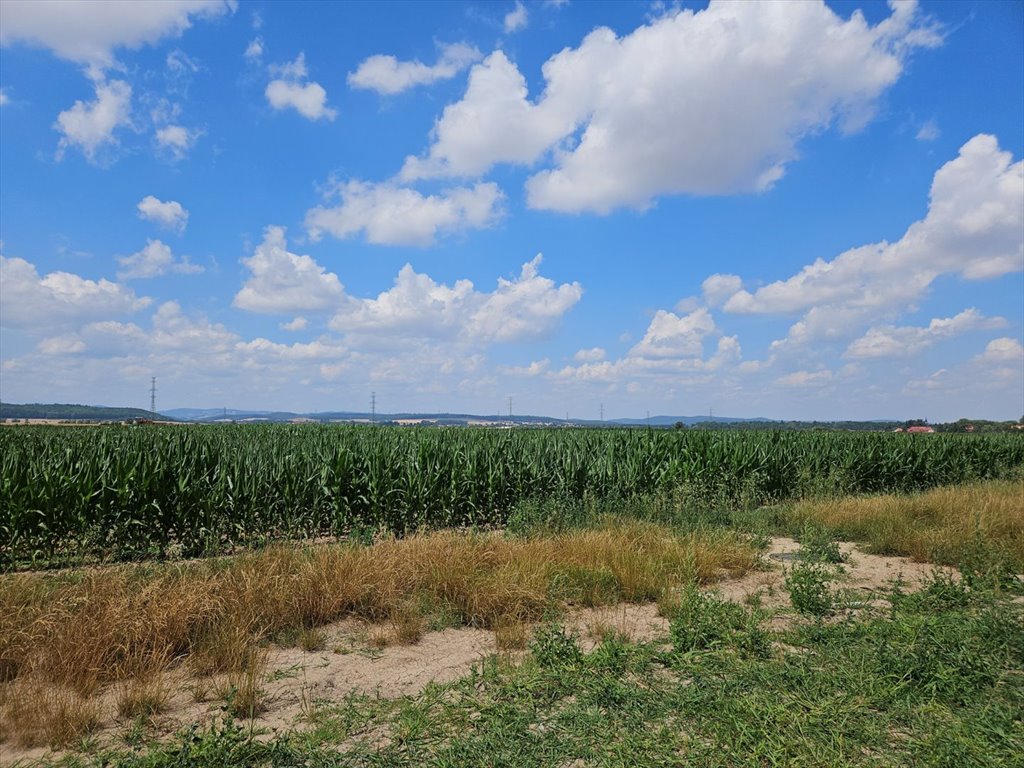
[
  {"x": 818, "y": 546},
  {"x": 701, "y": 622},
  {"x": 808, "y": 587},
  {"x": 554, "y": 648}
]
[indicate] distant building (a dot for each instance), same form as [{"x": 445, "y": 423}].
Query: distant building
[{"x": 919, "y": 430}]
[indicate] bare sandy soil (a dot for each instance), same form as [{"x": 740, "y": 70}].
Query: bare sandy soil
[{"x": 296, "y": 678}]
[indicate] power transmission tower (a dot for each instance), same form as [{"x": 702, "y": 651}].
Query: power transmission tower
[
  {"x": 373, "y": 407},
  {"x": 510, "y": 409},
  {"x": 602, "y": 411},
  {"x": 152, "y": 394}
]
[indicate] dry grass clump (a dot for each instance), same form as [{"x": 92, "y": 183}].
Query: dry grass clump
[
  {"x": 87, "y": 629},
  {"x": 36, "y": 714},
  {"x": 242, "y": 689},
  {"x": 511, "y": 635},
  {"x": 143, "y": 696},
  {"x": 934, "y": 526},
  {"x": 145, "y": 690},
  {"x": 311, "y": 640}
]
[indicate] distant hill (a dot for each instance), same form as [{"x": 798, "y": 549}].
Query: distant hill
[
  {"x": 231, "y": 414},
  {"x": 670, "y": 421},
  {"x": 69, "y": 412}
]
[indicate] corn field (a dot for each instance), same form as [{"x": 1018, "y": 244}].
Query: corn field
[{"x": 129, "y": 492}]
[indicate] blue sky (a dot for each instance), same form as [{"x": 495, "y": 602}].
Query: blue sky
[{"x": 795, "y": 210}]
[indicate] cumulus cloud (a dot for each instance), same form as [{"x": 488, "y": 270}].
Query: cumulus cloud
[
  {"x": 672, "y": 347},
  {"x": 973, "y": 229},
  {"x": 670, "y": 335},
  {"x": 30, "y": 301},
  {"x": 387, "y": 75},
  {"x": 1002, "y": 350},
  {"x": 806, "y": 379},
  {"x": 516, "y": 19},
  {"x": 298, "y": 323},
  {"x": 285, "y": 282},
  {"x": 170, "y": 214},
  {"x": 61, "y": 345},
  {"x": 536, "y": 368},
  {"x": 717, "y": 288},
  {"x": 592, "y": 355},
  {"x": 390, "y": 215},
  {"x": 527, "y": 307},
  {"x": 892, "y": 341},
  {"x": 291, "y": 89},
  {"x": 88, "y": 31},
  {"x": 4, "y": 98},
  {"x": 154, "y": 260},
  {"x": 89, "y": 126},
  {"x": 993, "y": 378},
  {"x": 176, "y": 140},
  {"x": 707, "y": 102},
  {"x": 493, "y": 123},
  {"x": 254, "y": 51}
]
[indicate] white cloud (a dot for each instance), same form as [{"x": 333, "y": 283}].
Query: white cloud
[
  {"x": 30, "y": 301},
  {"x": 993, "y": 378},
  {"x": 88, "y": 31},
  {"x": 4, "y": 98},
  {"x": 387, "y": 75},
  {"x": 516, "y": 19},
  {"x": 176, "y": 139},
  {"x": 91, "y": 125},
  {"x": 284, "y": 282},
  {"x": 806, "y": 379},
  {"x": 391, "y": 215},
  {"x": 295, "y": 324},
  {"x": 493, "y": 123},
  {"x": 170, "y": 214},
  {"x": 528, "y": 307},
  {"x": 973, "y": 229},
  {"x": 718, "y": 288},
  {"x": 891, "y": 341},
  {"x": 707, "y": 102},
  {"x": 592, "y": 355},
  {"x": 929, "y": 131},
  {"x": 254, "y": 51},
  {"x": 309, "y": 99},
  {"x": 180, "y": 63},
  {"x": 536, "y": 368},
  {"x": 61, "y": 345},
  {"x": 154, "y": 260},
  {"x": 670, "y": 335},
  {"x": 1002, "y": 350}
]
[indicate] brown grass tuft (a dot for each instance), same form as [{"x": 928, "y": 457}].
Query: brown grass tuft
[
  {"x": 408, "y": 625},
  {"x": 937, "y": 526},
  {"x": 243, "y": 689},
  {"x": 379, "y": 637},
  {"x": 142, "y": 696},
  {"x": 38, "y": 714},
  {"x": 311, "y": 640},
  {"x": 511, "y": 635}
]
